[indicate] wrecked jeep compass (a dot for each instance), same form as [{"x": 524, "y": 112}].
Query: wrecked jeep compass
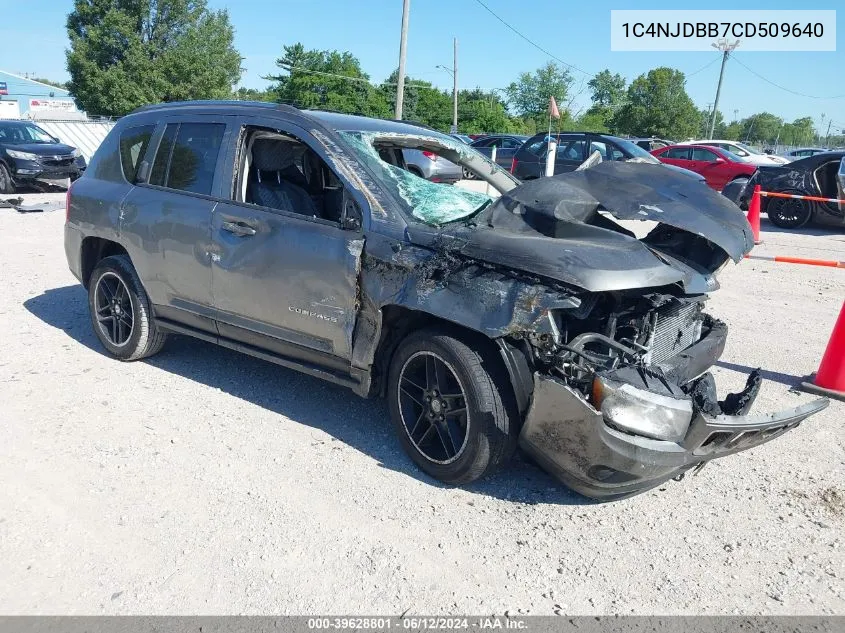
[{"x": 532, "y": 316}]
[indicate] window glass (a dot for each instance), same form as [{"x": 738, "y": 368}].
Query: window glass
[
  {"x": 193, "y": 154},
  {"x": 699, "y": 153},
  {"x": 133, "y": 144},
  {"x": 509, "y": 143},
  {"x": 158, "y": 176},
  {"x": 681, "y": 153},
  {"x": 608, "y": 151},
  {"x": 537, "y": 147},
  {"x": 572, "y": 150}
]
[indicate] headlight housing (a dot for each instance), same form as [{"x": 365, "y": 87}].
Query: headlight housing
[
  {"x": 642, "y": 412},
  {"x": 22, "y": 155},
  {"x": 75, "y": 153}
]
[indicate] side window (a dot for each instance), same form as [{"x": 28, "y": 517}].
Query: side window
[
  {"x": 133, "y": 144},
  {"x": 736, "y": 150},
  {"x": 679, "y": 153},
  {"x": 509, "y": 143},
  {"x": 186, "y": 161},
  {"x": 537, "y": 146},
  {"x": 281, "y": 172},
  {"x": 705, "y": 155},
  {"x": 573, "y": 150}
]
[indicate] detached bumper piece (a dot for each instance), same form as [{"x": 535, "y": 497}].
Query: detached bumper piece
[{"x": 604, "y": 460}]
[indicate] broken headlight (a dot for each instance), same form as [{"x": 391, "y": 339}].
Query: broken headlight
[{"x": 642, "y": 412}]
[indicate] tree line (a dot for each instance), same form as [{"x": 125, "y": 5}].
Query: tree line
[{"x": 127, "y": 53}]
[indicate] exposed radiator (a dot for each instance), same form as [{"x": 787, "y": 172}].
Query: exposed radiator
[{"x": 678, "y": 327}]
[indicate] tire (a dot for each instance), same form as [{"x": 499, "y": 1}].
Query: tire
[
  {"x": 467, "y": 174},
  {"x": 6, "y": 184},
  {"x": 486, "y": 430},
  {"x": 789, "y": 213},
  {"x": 115, "y": 294}
]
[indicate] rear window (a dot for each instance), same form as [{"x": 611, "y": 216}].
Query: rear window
[
  {"x": 133, "y": 144},
  {"x": 187, "y": 156},
  {"x": 699, "y": 153}
]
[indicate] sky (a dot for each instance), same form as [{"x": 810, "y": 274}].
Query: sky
[{"x": 489, "y": 54}]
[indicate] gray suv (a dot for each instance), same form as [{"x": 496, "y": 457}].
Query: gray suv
[{"x": 532, "y": 318}]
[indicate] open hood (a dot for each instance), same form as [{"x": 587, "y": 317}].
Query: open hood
[{"x": 557, "y": 227}]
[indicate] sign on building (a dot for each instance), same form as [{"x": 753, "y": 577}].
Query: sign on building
[{"x": 56, "y": 105}]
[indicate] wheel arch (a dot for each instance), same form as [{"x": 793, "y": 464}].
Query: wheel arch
[{"x": 93, "y": 250}]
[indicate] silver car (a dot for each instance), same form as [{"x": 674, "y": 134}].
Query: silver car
[{"x": 430, "y": 166}]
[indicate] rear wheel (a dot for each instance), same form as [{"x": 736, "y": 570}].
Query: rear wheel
[
  {"x": 788, "y": 213},
  {"x": 6, "y": 184},
  {"x": 451, "y": 406},
  {"x": 120, "y": 310},
  {"x": 468, "y": 175}
]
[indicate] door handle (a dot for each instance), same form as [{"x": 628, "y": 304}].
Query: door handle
[{"x": 241, "y": 229}]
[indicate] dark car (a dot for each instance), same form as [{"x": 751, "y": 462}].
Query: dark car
[
  {"x": 506, "y": 146},
  {"x": 815, "y": 175},
  {"x": 650, "y": 143},
  {"x": 534, "y": 318},
  {"x": 29, "y": 156},
  {"x": 717, "y": 165}
]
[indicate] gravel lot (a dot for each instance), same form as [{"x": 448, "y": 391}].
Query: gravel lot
[{"x": 204, "y": 482}]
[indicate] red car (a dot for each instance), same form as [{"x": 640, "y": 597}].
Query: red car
[{"x": 718, "y": 166}]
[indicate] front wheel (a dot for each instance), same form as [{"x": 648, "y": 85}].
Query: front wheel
[
  {"x": 789, "y": 213},
  {"x": 451, "y": 406},
  {"x": 6, "y": 184},
  {"x": 121, "y": 314}
]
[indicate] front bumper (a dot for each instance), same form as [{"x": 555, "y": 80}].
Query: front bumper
[
  {"x": 572, "y": 440},
  {"x": 26, "y": 172}
]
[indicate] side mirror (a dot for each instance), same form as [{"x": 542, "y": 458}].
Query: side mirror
[
  {"x": 840, "y": 176},
  {"x": 718, "y": 160}
]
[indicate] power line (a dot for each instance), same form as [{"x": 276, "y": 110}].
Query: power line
[
  {"x": 784, "y": 88},
  {"x": 706, "y": 66},
  {"x": 532, "y": 42},
  {"x": 359, "y": 79}
]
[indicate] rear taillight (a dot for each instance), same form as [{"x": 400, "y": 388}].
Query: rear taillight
[
  {"x": 513, "y": 164},
  {"x": 430, "y": 155},
  {"x": 67, "y": 203}
]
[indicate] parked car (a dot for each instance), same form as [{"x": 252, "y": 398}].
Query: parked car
[
  {"x": 301, "y": 238},
  {"x": 432, "y": 167},
  {"x": 573, "y": 148},
  {"x": 718, "y": 166},
  {"x": 463, "y": 138},
  {"x": 803, "y": 152},
  {"x": 29, "y": 156},
  {"x": 743, "y": 151},
  {"x": 812, "y": 176},
  {"x": 651, "y": 143},
  {"x": 506, "y": 146}
]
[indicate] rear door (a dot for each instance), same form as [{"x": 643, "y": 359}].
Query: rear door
[
  {"x": 571, "y": 152},
  {"x": 675, "y": 156},
  {"x": 167, "y": 219},
  {"x": 285, "y": 280}
]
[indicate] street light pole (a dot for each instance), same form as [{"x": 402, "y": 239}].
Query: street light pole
[
  {"x": 400, "y": 78},
  {"x": 726, "y": 49},
  {"x": 455, "y": 88}
]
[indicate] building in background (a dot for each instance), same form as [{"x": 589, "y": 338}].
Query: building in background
[{"x": 22, "y": 98}]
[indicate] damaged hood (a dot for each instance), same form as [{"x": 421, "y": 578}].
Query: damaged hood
[{"x": 556, "y": 227}]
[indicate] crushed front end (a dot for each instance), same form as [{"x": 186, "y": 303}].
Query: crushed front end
[{"x": 623, "y": 400}]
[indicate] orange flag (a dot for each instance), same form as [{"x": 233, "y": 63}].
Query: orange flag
[{"x": 553, "y": 111}]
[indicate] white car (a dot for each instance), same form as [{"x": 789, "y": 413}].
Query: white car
[{"x": 746, "y": 153}]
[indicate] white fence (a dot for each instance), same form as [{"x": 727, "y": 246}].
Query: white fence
[{"x": 85, "y": 136}]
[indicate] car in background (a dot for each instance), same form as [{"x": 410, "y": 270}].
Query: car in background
[
  {"x": 463, "y": 138},
  {"x": 651, "y": 143},
  {"x": 816, "y": 175},
  {"x": 573, "y": 148},
  {"x": 29, "y": 156},
  {"x": 506, "y": 146},
  {"x": 803, "y": 152},
  {"x": 430, "y": 166},
  {"x": 744, "y": 152},
  {"x": 718, "y": 166}
]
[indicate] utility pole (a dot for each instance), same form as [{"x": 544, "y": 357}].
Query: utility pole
[
  {"x": 827, "y": 136},
  {"x": 726, "y": 49},
  {"x": 455, "y": 88},
  {"x": 400, "y": 79}
]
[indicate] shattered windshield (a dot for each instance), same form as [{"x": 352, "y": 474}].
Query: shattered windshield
[{"x": 429, "y": 202}]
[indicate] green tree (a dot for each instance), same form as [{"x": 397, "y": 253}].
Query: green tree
[
  {"x": 607, "y": 90},
  {"x": 127, "y": 53},
  {"x": 253, "y": 94},
  {"x": 326, "y": 80},
  {"x": 763, "y": 127},
  {"x": 528, "y": 96},
  {"x": 718, "y": 130},
  {"x": 658, "y": 105},
  {"x": 50, "y": 82},
  {"x": 733, "y": 131}
]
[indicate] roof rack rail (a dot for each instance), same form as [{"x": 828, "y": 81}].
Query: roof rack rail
[{"x": 217, "y": 102}]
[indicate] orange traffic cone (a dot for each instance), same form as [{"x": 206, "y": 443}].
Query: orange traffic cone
[
  {"x": 830, "y": 379},
  {"x": 754, "y": 214}
]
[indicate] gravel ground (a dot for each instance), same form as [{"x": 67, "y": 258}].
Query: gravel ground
[{"x": 202, "y": 481}]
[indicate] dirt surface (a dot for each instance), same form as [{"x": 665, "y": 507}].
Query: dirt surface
[{"x": 202, "y": 481}]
